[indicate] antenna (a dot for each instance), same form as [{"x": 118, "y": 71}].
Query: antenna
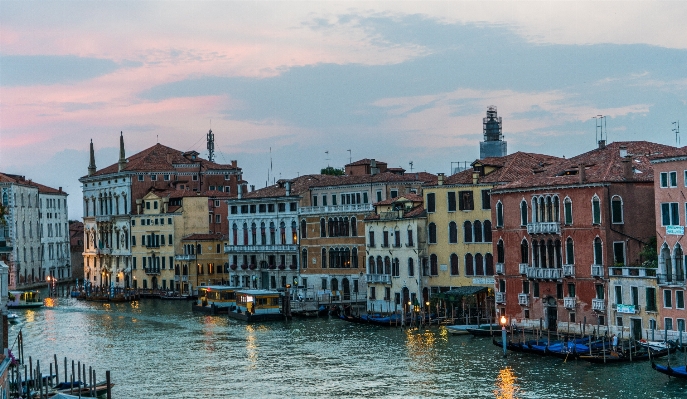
[
  {"x": 211, "y": 146},
  {"x": 327, "y": 157},
  {"x": 677, "y": 132},
  {"x": 350, "y": 158},
  {"x": 411, "y": 166},
  {"x": 600, "y": 121}
]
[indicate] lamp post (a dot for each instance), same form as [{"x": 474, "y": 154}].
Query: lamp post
[{"x": 503, "y": 333}]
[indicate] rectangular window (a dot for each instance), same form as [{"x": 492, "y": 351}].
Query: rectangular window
[
  {"x": 673, "y": 179},
  {"x": 170, "y": 239},
  {"x": 397, "y": 298},
  {"x": 568, "y": 212},
  {"x": 314, "y": 200},
  {"x": 166, "y": 177},
  {"x": 616, "y": 211},
  {"x": 451, "y": 201},
  {"x": 365, "y": 200},
  {"x": 373, "y": 293},
  {"x": 134, "y": 263},
  {"x": 618, "y": 294},
  {"x": 194, "y": 178},
  {"x": 372, "y": 239},
  {"x": 394, "y": 193},
  {"x": 466, "y": 201},
  {"x": 133, "y": 241},
  {"x": 650, "y": 299},
  {"x": 525, "y": 287},
  {"x": 234, "y": 210},
  {"x": 140, "y": 177},
  {"x": 293, "y": 206},
  {"x": 667, "y": 299},
  {"x": 619, "y": 253},
  {"x": 218, "y": 218},
  {"x": 262, "y": 208},
  {"x": 599, "y": 291},
  {"x": 324, "y": 283},
  {"x": 334, "y": 200},
  {"x": 668, "y": 323},
  {"x": 681, "y": 324},
  {"x": 559, "y": 290},
  {"x": 212, "y": 188},
  {"x": 664, "y": 179},
  {"x": 387, "y": 293},
  {"x": 486, "y": 199},
  {"x": 536, "y": 290},
  {"x": 324, "y": 200},
  {"x": 410, "y": 238},
  {"x": 379, "y": 195},
  {"x": 253, "y": 208},
  {"x": 670, "y": 214},
  {"x": 431, "y": 205},
  {"x": 571, "y": 290},
  {"x": 162, "y": 239},
  {"x": 619, "y": 321},
  {"x": 680, "y": 299},
  {"x": 635, "y": 295},
  {"x": 153, "y": 177}
]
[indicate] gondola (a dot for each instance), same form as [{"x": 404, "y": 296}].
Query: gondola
[
  {"x": 623, "y": 357},
  {"x": 679, "y": 371}
]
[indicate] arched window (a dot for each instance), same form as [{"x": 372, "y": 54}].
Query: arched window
[
  {"x": 499, "y": 214},
  {"x": 294, "y": 233},
  {"x": 354, "y": 227},
  {"x": 501, "y": 254},
  {"x": 235, "y": 234},
  {"x": 479, "y": 265},
  {"x": 558, "y": 254},
  {"x": 467, "y": 231},
  {"x": 535, "y": 254},
  {"x": 454, "y": 264},
  {"x": 535, "y": 210},
  {"x": 245, "y": 234},
  {"x": 380, "y": 265},
  {"x": 569, "y": 251},
  {"x": 323, "y": 228},
  {"x": 617, "y": 210},
  {"x": 679, "y": 263},
  {"x": 489, "y": 264},
  {"x": 273, "y": 239},
  {"x": 354, "y": 258},
  {"x": 282, "y": 233},
  {"x": 253, "y": 234},
  {"x": 469, "y": 265},
  {"x": 387, "y": 265},
  {"x": 395, "y": 269},
  {"x": 487, "y": 230},
  {"x": 556, "y": 209},
  {"x": 596, "y": 210},
  {"x": 542, "y": 209},
  {"x": 549, "y": 209},
  {"x": 477, "y": 227},
  {"x": 567, "y": 208},
  {"x": 523, "y": 213},
  {"x": 432, "y": 229},
  {"x": 324, "y": 258},
  {"x": 263, "y": 234},
  {"x": 304, "y": 259},
  {"x": 549, "y": 256},
  {"x": 411, "y": 267},
  {"x": 433, "y": 265},
  {"x": 452, "y": 233},
  {"x": 371, "y": 265},
  {"x": 304, "y": 229},
  {"x": 598, "y": 251}
]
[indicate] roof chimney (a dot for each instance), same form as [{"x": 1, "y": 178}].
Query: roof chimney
[
  {"x": 240, "y": 191},
  {"x": 60, "y": 189},
  {"x": 122, "y": 157},
  {"x": 475, "y": 177},
  {"x": 373, "y": 167},
  {"x": 623, "y": 151},
  {"x": 581, "y": 172},
  {"x": 252, "y": 187},
  {"x": 628, "y": 172},
  {"x": 602, "y": 144},
  {"x": 91, "y": 165},
  {"x": 440, "y": 179},
  {"x": 287, "y": 186}
]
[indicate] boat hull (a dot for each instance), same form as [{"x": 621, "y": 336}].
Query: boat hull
[{"x": 679, "y": 372}]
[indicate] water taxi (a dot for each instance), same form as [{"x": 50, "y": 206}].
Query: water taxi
[
  {"x": 257, "y": 305},
  {"x": 215, "y": 299},
  {"x": 24, "y": 300}
]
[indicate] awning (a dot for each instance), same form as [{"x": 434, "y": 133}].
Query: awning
[{"x": 459, "y": 292}]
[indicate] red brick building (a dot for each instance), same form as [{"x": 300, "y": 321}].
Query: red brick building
[{"x": 558, "y": 230}]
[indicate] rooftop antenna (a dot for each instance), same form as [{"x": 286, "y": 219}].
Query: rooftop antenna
[
  {"x": 600, "y": 121},
  {"x": 211, "y": 146},
  {"x": 677, "y": 132},
  {"x": 411, "y": 166},
  {"x": 327, "y": 158},
  {"x": 350, "y": 158},
  {"x": 269, "y": 170}
]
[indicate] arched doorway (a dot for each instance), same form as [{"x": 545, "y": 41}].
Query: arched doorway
[
  {"x": 345, "y": 285},
  {"x": 551, "y": 310},
  {"x": 335, "y": 285}
]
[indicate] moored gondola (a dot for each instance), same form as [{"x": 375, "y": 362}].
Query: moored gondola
[{"x": 678, "y": 371}]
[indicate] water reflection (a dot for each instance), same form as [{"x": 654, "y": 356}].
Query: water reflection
[
  {"x": 251, "y": 347},
  {"x": 505, "y": 385},
  {"x": 49, "y": 302}
]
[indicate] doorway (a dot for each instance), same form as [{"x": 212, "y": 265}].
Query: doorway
[
  {"x": 551, "y": 314},
  {"x": 345, "y": 285},
  {"x": 636, "y": 328}
]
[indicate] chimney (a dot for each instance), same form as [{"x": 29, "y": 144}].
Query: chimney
[
  {"x": 91, "y": 165},
  {"x": 60, "y": 189},
  {"x": 252, "y": 188},
  {"x": 122, "y": 157},
  {"x": 234, "y": 163},
  {"x": 623, "y": 151},
  {"x": 287, "y": 186},
  {"x": 581, "y": 172},
  {"x": 602, "y": 144},
  {"x": 373, "y": 167},
  {"x": 440, "y": 179},
  {"x": 475, "y": 177},
  {"x": 240, "y": 191},
  {"x": 628, "y": 172}
]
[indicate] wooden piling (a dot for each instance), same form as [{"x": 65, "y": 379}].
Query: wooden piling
[
  {"x": 107, "y": 381},
  {"x": 57, "y": 372}
]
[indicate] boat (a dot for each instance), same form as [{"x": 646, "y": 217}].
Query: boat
[
  {"x": 257, "y": 305},
  {"x": 215, "y": 299},
  {"x": 485, "y": 330},
  {"x": 24, "y": 300},
  {"x": 678, "y": 371},
  {"x": 460, "y": 329},
  {"x": 624, "y": 357},
  {"x": 172, "y": 295},
  {"x": 65, "y": 388},
  {"x": 12, "y": 317}
]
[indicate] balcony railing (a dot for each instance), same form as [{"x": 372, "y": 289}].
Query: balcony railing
[
  {"x": 524, "y": 299},
  {"x": 104, "y": 251},
  {"x": 628, "y": 271},
  {"x": 670, "y": 279},
  {"x": 183, "y": 278},
  {"x": 544, "y": 228},
  {"x": 151, "y": 270},
  {"x": 316, "y": 210},
  {"x": 569, "y": 302},
  {"x": 597, "y": 271},
  {"x": 523, "y": 268},
  {"x": 598, "y": 305},
  {"x": 185, "y": 257},
  {"x": 379, "y": 278},
  {"x": 541, "y": 273},
  {"x": 260, "y": 248},
  {"x": 500, "y": 297},
  {"x": 569, "y": 270},
  {"x": 500, "y": 268}
]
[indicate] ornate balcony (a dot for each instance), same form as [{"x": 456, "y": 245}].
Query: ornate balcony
[
  {"x": 597, "y": 271},
  {"x": 185, "y": 257},
  {"x": 544, "y": 228},
  {"x": 352, "y": 208},
  {"x": 598, "y": 305},
  {"x": 523, "y": 268},
  {"x": 378, "y": 279},
  {"x": 500, "y": 297},
  {"x": 569, "y": 302},
  {"x": 569, "y": 270},
  {"x": 541, "y": 273},
  {"x": 104, "y": 251},
  {"x": 500, "y": 268},
  {"x": 261, "y": 248},
  {"x": 524, "y": 299}
]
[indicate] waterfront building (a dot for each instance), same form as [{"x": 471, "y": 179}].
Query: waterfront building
[
  {"x": 670, "y": 188},
  {"x": 207, "y": 253},
  {"x": 262, "y": 248},
  {"x": 564, "y": 226},
  {"x": 110, "y": 194},
  {"x": 332, "y": 230},
  {"x": 632, "y": 295},
  {"x": 459, "y": 230},
  {"x": 76, "y": 248},
  {"x": 395, "y": 248},
  {"x": 35, "y": 240}
]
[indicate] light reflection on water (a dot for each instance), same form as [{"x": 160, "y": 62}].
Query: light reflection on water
[{"x": 162, "y": 349}]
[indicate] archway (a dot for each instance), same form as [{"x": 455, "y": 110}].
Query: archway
[{"x": 551, "y": 310}]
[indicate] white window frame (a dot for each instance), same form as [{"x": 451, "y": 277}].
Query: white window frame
[
  {"x": 141, "y": 177},
  {"x": 670, "y": 213},
  {"x": 165, "y": 177},
  {"x": 622, "y": 210},
  {"x": 153, "y": 177},
  {"x": 667, "y": 294},
  {"x": 670, "y": 179}
]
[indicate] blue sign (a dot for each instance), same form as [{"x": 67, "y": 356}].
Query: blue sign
[{"x": 675, "y": 230}]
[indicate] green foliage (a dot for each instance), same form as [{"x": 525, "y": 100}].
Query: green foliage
[
  {"x": 649, "y": 253},
  {"x": 332, "y": 171},
  {"x": 3, "y": 212}
]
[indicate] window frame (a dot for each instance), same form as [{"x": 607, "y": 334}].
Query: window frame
[{"x": 616, "y": 199}]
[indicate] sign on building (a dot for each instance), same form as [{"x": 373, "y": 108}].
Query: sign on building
[
  {"x": 675, "y": 230},
  {"x": 620, "y": 308}
]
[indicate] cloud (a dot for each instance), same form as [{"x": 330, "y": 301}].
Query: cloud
[{"x": 28, "y": 70}]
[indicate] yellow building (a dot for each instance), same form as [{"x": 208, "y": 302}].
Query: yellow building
[
  {"x": 211, "y": 266},
  {"x": 158, "y": 225}
]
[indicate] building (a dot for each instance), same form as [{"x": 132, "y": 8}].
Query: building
[
  {"x": 563, "y": 226},
  {"x": 459, "y": 231},
  {"x": 76, "y": 248},
  {"x": 211, "y": 266},
  {"x": 331, "y": 225},
  {"x": 493, "y": 144},
  {"x": 110, "y": 194},
  {"x": 670, "y": 187},
  {"x": 35, "y": 240},
  {"x": 395, "y": 248}
]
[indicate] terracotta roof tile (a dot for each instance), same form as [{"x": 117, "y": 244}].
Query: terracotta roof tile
[
  {"x": 17, "y": 179},
  {"x": 365, "y": 161},
  {"x": 345, "y": 180},
  {"x": 409, "y": 196},
  {"x": 509, "y": 168},
  {"x": 205, "y": 237}
]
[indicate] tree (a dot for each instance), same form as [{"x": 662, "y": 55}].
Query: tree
[
  {"x": 649, "y": 253},
  {"x": 332, "y": 171}
]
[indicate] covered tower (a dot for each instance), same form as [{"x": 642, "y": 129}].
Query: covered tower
[
  {"x": 122, "y": 157},
  {"x": 493, "y": 144}
]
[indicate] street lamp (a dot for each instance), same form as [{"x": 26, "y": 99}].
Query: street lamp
[{"x": 503, "y": 333}]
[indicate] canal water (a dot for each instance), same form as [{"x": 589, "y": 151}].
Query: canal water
[{"x": 160, "y": 349}]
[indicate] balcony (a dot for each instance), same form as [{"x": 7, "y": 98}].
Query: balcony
[
  {"x": 544, "y": 228},
  {"x": 500, "y": 268},
  {"x": 260, "y": 248},
  {"x": 352, "y": 208},
  {"x": 185, "y": 257},
  {"x": 152, "y": 270},
  {"x": 569, "y": 302},
  {"x": 523, "y": 268},
  {"x": 524, "y": 299},
  {"x": 379, "y": 279},
  {"x": 628, "y": 271},
  {"x": 597, "y": 271},
  {"x": 540, "y": 273},
  {"x": 670, "y": 279},
  {"x": 183, "y": 278},
  {"x": 500, "y": 297},
  {"x": 104, "y": 251},
  {"x": 569, "y": 270},
  {"x": 598, "y": 305}
]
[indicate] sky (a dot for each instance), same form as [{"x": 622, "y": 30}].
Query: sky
[{"x": 296, "y": 85}]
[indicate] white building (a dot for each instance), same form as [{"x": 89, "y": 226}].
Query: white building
[{"x": 54, "y": 216}]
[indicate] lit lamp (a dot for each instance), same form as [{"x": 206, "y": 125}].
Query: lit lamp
[{"x": 503, "y": 333}]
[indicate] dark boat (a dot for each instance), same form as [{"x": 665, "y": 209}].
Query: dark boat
[
  {"x": 485, "y": 331},
  {"x": 679, "y": 371},
  {"x": 624, "y": 357}
]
